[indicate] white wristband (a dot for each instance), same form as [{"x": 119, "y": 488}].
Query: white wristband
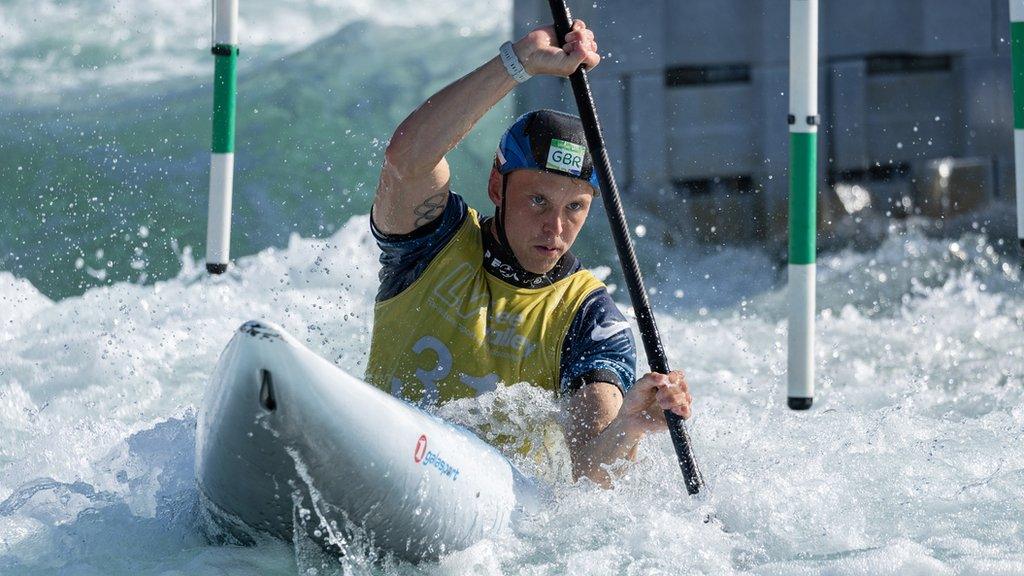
[{"x": 512, "y": 64}]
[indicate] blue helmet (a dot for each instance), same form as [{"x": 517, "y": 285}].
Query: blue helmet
[{"x": 550, "y": 141}]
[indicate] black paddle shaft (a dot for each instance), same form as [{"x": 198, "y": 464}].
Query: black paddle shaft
[{"x": 624, "y": 247}]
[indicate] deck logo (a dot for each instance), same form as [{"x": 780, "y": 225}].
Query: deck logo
[
  {"x": 432, "y": 459},
  {"x": 421, "y": 449},
  {"x": 436, "y": 461}
]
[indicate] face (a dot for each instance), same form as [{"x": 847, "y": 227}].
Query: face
[{"x": 544, "y": 213}]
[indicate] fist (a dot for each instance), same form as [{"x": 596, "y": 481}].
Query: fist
[
  {"x": 644, "y": 405},
  {"x": 540, "y": 52}
]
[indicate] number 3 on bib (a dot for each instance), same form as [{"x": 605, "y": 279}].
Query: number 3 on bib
[{"x": 442, "y": 368}]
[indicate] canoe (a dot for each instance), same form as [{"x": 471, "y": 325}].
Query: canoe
[{"x": 286, "y": 441}]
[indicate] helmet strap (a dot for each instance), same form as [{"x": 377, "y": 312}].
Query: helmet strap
[{"x": 499, "y": 216}]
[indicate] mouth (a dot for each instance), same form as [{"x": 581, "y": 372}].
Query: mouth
[{"x": 546, "y": 250}]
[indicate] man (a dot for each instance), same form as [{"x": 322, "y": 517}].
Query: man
[{"x": 466, "y": 302}]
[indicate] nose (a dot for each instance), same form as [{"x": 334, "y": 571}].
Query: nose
[{"x": 553, "y": 223}]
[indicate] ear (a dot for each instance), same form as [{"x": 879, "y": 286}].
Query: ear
[{"x": 494, "y": 186}]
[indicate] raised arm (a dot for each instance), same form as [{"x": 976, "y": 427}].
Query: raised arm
[{"x": 413, "y": 186}]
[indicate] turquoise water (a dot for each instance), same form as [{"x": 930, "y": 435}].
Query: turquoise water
[{"x": 110, "y": 184}]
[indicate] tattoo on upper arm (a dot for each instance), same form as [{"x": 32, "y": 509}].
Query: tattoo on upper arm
[{"x": 430, "y": 208}]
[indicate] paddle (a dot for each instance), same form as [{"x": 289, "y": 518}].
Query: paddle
[{"x": 624, "y": 247}]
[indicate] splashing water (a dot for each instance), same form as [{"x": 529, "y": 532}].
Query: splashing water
[
  {"x": 908, "y": 463},
  {"x": 49, "y": 46}
]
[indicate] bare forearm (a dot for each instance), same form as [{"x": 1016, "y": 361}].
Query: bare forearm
[
  {"x": 437, "y": 126},
  {"x": 616, "y": 442},
  {"x": 636, "y": 413}
]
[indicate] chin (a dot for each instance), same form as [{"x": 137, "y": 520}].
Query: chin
[
  {"x": 543, "y": 268},
  {"x": 538, "y": 264}
]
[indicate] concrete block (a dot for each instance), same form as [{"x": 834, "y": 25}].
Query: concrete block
[
  {"x": 855, "y": 29},
  {"x": 987, "y": 97},
  {"x": 893, "y": 197},
  {"x": 950, "y": 186},
  {"x": 709, "y": 32},
  {"x": 775, "y": 206},
  {"x": 912, "y": 116},
  {"x": 773, "y": 46},
  {"x": 1006, "y": 179},
  {"x": 725, "y": 217},
  {"x": 1001, "y": 28},
  {"x": 647, "y": 142},
  {"x": 712, "y": 131},
  {"x": 956, "y": 26},
  {"x": 848, "y": 95},
  {"x": 609, "y": 100},
  {"x": 630, "y": 35},
  {"x": 770, "y": 113},
  {"x": 771, "y": 107}
]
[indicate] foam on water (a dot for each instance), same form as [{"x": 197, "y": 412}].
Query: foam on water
[
  {"x": 909, "y": 463},
  {"x": 50, "y": 46}
]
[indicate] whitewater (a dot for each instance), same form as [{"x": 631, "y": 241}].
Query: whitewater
[
  {"x": 50, "y": 46},
  {"x": 910, "y": 461}
]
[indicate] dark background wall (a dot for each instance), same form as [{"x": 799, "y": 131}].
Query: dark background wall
[{"x": 914, "y": 95}]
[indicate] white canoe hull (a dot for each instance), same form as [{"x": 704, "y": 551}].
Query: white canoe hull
[{"x": 282, "y": 429}]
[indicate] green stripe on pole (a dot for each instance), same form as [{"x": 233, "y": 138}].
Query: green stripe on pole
[
  {"x": 1017, "y": 42},
  {"x": 803, "y": 162},
  {"x": 225, "y": 83}
]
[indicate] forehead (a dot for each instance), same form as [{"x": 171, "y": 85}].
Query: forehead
[{"x": 538, "y": 181}]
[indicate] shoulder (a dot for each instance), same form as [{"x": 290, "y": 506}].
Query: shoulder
[
  {"x": 599, "y": 317},
  {"x": 599, "y": 346},
  {"x": 404, "y": 257},
  {"x": 454, "y": 214}
]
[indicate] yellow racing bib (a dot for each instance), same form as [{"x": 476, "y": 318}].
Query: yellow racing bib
[{"x": 458, "y": 330}]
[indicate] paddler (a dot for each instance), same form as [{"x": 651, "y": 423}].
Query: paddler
[{"x": 466, "y": 301}]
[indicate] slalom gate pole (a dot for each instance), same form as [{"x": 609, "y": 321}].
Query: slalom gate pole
[
  {"x": 222, "y": 157},
  {"x": 1017, "y": 57},
  {"x": 624, "y": 246},
  {"x": 803, "y": 185}
]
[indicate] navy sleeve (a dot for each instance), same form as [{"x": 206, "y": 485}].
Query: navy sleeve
[
  {"x": 404, "y": 257},
  {"x": 599, "y": 346}
]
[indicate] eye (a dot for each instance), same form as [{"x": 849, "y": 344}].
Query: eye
[
  {"x": 575, "y": 206},
  {"x": 537, "y": 200}
]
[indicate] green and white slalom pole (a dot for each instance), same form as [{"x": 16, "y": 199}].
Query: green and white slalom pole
[
  {"x": 803, "y": 178},
  {"x": 222, "y": 157},
  {"x": 1017, "y": 51}
]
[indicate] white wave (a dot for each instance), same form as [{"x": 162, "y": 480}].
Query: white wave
[
  {"x": 910, "y": 461},
  {"x": 49, "y": 46}
]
